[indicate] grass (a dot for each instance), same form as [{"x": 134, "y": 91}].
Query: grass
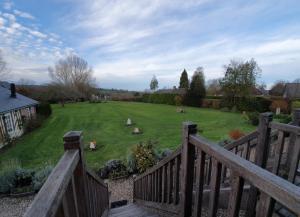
[{"x": 105, "y": 123}]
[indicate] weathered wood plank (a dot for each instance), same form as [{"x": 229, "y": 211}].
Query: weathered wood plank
[
  {"x": 215, "y": 188},
  {"x": 49, "y": 198},
  {"x": 199, "y": 183},
  {"x": 235, "y": 197},
  {"x": 187, "y": 162},
  {"x": 281, "y": 190}
]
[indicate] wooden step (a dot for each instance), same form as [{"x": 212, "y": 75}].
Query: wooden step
[{"x": 130, "y": 210}]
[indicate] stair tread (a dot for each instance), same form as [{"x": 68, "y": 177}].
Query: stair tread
[{"x": 130, "y": 210}]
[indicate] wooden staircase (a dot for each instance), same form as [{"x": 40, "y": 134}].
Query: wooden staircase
[
  {"x": 131, "y": 210},
  {"x": 256, "y": 175}
]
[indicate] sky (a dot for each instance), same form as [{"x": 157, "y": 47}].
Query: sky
[{"x": 126, "y": 42}]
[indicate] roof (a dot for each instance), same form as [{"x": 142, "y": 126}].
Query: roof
[
  {"x": 8, "y": 103},
  {"x": 292, "y": 91}
]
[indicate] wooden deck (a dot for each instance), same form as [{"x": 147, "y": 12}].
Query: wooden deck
[{"x": 130, "y": 210}]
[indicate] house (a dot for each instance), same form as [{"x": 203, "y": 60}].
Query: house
[
  {"x": 15, "y": 109},
  {"x": 292, "y": 91}
]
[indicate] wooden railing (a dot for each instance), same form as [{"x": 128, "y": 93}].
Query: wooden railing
[
  {"x": 71, "y": 190},
  {"x": 201, "y": 168}
]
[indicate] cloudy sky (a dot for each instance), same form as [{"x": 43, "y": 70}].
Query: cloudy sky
[{"x": 128, "y": 41}]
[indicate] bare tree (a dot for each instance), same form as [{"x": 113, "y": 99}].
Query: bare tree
[
  {"x": 73, "y": 75},
  {"x": 3, "y": 67}
]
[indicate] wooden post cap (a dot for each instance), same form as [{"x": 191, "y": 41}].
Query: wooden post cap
[
  {"x": 72, "y": 140},
  {"x": 190, "y": 127}
]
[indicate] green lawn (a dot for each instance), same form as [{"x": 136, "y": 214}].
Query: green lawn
[{"x": 105, "y": 123}]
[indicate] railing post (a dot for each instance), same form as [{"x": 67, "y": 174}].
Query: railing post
[
  {"x": 73, "y": 140},
  {"x": 296, "y": 117},
  {"x": 261, "y": 156},
  {"x": 187, "y": 169}
]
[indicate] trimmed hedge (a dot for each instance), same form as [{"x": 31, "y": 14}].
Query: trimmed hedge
[
  {"x": 44, "y": 109},
  {"x": 159, "y": 98},
  {"x": 259, "y": 104}
]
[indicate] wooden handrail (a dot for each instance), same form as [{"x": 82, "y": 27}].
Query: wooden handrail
[
  {"x": 71, "y": 190},
  {"x": 283, "y": 191},
  {"x": 201, "y": 166},
  {"x": 47, "y": 202}
]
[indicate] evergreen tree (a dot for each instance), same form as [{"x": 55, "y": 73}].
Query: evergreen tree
[
  {"x": 197, "y": 87},
  {"x": 154, "y": 83},
  {"x": 184, "y": 80}
]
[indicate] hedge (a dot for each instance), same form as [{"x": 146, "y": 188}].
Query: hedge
[
  {"x": 159, "y": 98},
  {"x": 259, "y": 104}
]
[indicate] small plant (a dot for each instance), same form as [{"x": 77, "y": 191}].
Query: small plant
[
  {"x": 253, "y": 118},
  {"x": 40, "y": 177},
  {"x": 8, "y": 175},
  {"x": 236, "y": 134},
  {"x": 296, "y": 104},
  {"x": 111, "y": 166},
  {"x": 144, "y": 155},
  {"x": 283, "y": 118}
]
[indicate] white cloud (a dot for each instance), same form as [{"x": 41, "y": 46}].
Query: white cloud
[
  {"x": 23, "y": 14},
  {"x": 7, "y": 5}
]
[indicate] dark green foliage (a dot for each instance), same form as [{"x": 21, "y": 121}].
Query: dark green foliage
[
  {"x": 34, "y": 123},
  {"x": 283, "y": 118},
  {"x": 40, "y": 177},
  {"x": 184, "y": 80},
  {"x": 153, "y": 83},
  {"x": 259, "y": 104},
  {"x": 254, "y": 118},
  {"x": 44, "y": 109},
  {"x": 197, "y": 89},
  {"x": 23, "y": 177},
  {"x": 159, "y": 98},
  {"x": 110, "y": 167},
  {"x": 131, "y": 164},
  {"x": 7, "y": 181},
  {"x": 240, "y": 78}
]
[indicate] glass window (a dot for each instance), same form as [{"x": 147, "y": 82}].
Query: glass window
[{"x": 8, "y": 122}]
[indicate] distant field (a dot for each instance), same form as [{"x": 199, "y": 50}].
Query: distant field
[{"x": 105, "y": 123}]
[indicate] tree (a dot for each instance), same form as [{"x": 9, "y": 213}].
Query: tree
[
  {"x": 154, "y": 83},
  {"x": 213, "y": 87},
  {"x": 184, "y": 80},
  {"x": 240, "y": 77},
  {"x": 278, "y": 88},
  {"x": 3, "y": 67},
  {"x": 197, "y": 91},
  {"x": 197, "y": 86},
  {"x": 72, "y": 77}
]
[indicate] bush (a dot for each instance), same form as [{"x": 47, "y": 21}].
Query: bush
[
  {"x": 296, "y": 104},
  {"x": 110, "y": 167},
  {"x": 40, "y": 177},
  {"x": 283, "y": 118},
  {"x": 236, "y": 134},
  {"x": 131, "y": 164},
  {"x": 211, "y": 103},
  {"x": 159, "y": 98},
  {"x": 34, "y": 123},
  {"x": 259, "y": 104},
  {"x": 23, "y": 177},
  {"x": 144, "y": 155},
  {"x": 8, "y": 175},
  {"x": 44, "y": 109},
  {"x": 253, "y": 118}
]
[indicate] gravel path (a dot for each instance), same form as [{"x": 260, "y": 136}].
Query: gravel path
[
  {"x": 14, "y": 207},
  {"x": 120, "y": 189}
]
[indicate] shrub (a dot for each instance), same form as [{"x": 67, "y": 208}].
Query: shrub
[
  {"x": 110, "y": 167},
  {"x": 44, "y": 109},
  {"x": 144, "y": 155},
  {"x": 282, "y": 104},
  {"x": 40, "y": 177},
  {"x": 178, "y": 100},
  {"x": 296, "y": 104},
  {"x": 259, "y": 104},
  {"x": 34, "y": 123},
  {"x": 8, "y": 176},
  {"x": 23, "y": 177},
  {"x": 283, "y": 118},
  {"x": 131, "y": 164},
  {"x": 236, "y": 134},
  {"x": 253, "y": 118}
]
